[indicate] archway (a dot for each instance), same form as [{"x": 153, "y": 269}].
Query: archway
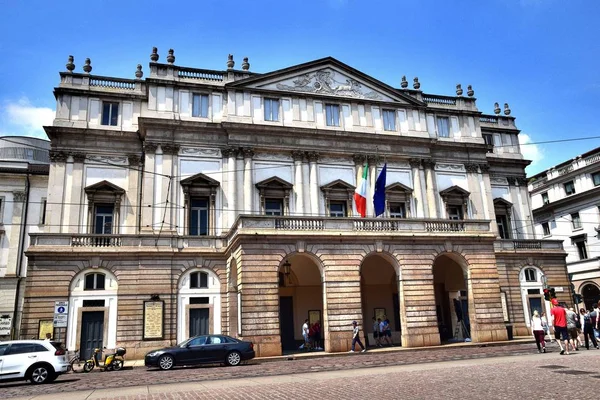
[
  {"x": 591, "y": 295},
  {"x": 300, "y": 298},
  {"x": 379, "y": 294},
  {"x": 451, "y": 300}
]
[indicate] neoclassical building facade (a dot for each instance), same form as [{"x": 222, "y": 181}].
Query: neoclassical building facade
[{"x": 221, "y": 201}]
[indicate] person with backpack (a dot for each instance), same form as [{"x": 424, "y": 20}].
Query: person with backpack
[{"x": 588, "y": 332}]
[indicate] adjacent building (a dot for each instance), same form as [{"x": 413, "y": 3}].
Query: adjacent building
[
  {"x": 24, "y": 165},
  {"x": 200, "y": 201},
  {"x": 566, "y": 206}
]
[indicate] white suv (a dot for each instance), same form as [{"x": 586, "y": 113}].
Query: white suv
[{"x": 39, "y": 361}]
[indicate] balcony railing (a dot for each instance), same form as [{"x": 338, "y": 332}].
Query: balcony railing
[
  {"x": 539, "y": 182},
  {"x": 113, "y": 83},
  {"x": 96, "y": 241},
  {"x": 444, "y": 100},
  {"x": 526, "y": 245},
  {"x": 202, "y": 74},
  {"x": 592, "y": 159}
]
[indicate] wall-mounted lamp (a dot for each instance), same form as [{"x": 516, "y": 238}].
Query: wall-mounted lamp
[
  {"x": 155, "y": 297},
  {"x": 286, "y": 267}
]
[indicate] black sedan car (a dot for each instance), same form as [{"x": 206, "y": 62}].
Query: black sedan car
[{"x": 207, "y": 349}]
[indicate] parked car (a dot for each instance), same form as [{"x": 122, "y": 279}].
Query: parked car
[
  {"x": 39, "y": 361},
  {"x": 206, "y": 349}
]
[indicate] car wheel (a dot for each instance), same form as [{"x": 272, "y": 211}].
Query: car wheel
[
  {"x": 166, "y": 362},
  {"x": 117, "y": 365},
  {"x": 234, "y": 358},
  {"x": 88, "y": 366},
  {"x": 41, "y": 373}
]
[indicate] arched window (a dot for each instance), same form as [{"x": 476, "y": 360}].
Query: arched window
[
  {"x": 94, "y": 281},
  {"x": 199, "y": 280},
  {"x": 530, "y": 275}
]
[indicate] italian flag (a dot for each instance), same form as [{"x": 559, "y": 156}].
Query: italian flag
[{"x": 360, "y": 194}]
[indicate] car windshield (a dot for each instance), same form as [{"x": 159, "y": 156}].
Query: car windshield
[{"x": 193, "y": 341}]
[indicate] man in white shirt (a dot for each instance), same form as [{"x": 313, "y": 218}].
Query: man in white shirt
[{"x": 305, "y": 334}]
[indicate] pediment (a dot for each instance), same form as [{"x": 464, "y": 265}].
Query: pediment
[
  {"x": 499, "y": 201},
  {"x": 326, "y": 77},
  {"x": 455, "y": 191},
  {"x": 104, "y": 186},
  {"x": 199, "y": 180},
  {"x": 274, "y": 182},
  {"x": 338, "y": 185},
  {"x": 398, "y": 187}
]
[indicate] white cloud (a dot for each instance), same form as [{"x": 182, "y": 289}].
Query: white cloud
[
  {"x": 530, "y": 151},
  {"x": 22, "y": 118}
]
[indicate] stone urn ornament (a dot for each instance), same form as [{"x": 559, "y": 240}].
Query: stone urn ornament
[
  {"x": 404, "y": 82},
  {"x": 171, "y": 56},
  {"x": 70, "y": 65},
  {"x": 506, "y": 109},
  {"x": 497, "y": 109},
  {"x": 245, "y": 64},
  {"x": 230, "y": 62},
  {"x": 87, "y": 67},
  {"x": 459, "y": 90},
  {"x": 416, "y": 83},
  {"x": 138, "y": 72},
  {"x": 154, "y": 56},
  {"x": 470, "y": 91}
]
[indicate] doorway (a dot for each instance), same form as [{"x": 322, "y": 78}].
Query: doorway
[
  {"x": 451, "y": 300},
  {"x": 286, "y": 321},
  {"x": 199, "y": 321},
  {"x": 92, "y": 332}
]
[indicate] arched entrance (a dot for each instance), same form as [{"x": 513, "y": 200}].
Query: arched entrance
[
  {"x": 300, "y": 298},
  {"x": 451, "y": 301},
  {"x": 591, "y": 295},
  {"x": 379, "y": 294}
]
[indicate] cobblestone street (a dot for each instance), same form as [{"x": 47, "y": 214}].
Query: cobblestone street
[{"x": 378, "y": 380}]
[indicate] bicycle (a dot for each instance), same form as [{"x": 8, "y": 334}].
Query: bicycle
[{"x": 75, "y": 361}]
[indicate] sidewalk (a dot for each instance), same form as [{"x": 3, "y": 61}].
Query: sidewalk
[{"x": 393, "y": 349}]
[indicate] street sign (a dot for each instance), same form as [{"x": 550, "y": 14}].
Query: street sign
[
  {"x": 5, "y": 325},
  {"x": 61, "y": 312},
  {"x": 559, "y": 289}
]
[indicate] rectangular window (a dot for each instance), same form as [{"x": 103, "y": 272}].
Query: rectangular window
[
  {"x": 199, "y": 217},
  {"x": 455, "y": 212},
  {"x": 337, "y": 209},
  {"x": 199, "y": 300},
  {"x": 271, "y": 109},
  {"x": 581, "y": 250},
  {"x": 569, "y": 188},
  {"x": 332, "y": 114},
  {"x": 503, "y": 228},
  {"x": 397, "y": 210},
  {"x": 443, "y": 125},
  {"x": 576, "y": 221},
  {"x": 545, "y": 198},
  {"x": 389, "y": 120},
  {"x": 273, "y": 207},
  {"x": 110, "y": 113},
  {"x": 530, "y": 277},
  {"x": 200, "y": 105},
  {"x": 43, "y": 211},
  {"x": 546, "y": 228},
  {"x": 596, "y": 178},
  {"x": 103, "y": 220},
  {"x": 1, "y": 209},
  {"x": 489, "y": 140}
]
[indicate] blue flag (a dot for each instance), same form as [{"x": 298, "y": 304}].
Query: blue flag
[{"x": 379, "y": 196}]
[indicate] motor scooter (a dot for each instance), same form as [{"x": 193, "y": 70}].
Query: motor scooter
[{"x": 112, "y": 361}]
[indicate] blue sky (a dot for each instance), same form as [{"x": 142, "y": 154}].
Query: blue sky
[{"x": 540, "y": 56}]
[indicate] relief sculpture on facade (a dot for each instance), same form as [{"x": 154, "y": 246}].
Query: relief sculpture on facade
[{"x": 323, "y": 82}]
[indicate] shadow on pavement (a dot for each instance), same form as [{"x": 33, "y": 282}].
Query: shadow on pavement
[{"x": 21, "y": 383}]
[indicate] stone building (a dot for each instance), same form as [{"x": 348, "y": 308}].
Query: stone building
[
  {"x": 24, "y": 165},
  {"x": 221, "y": 201},
  {"x": 566, "y": 206}
]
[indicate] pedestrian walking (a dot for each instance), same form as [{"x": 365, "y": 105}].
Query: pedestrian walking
[
  {"x": 572, "y": 328},
  {"x": 376, "y": 332},
  {"x": 317, "y": 335},
  {"x": 538, "y": 331},
  {"x": 588, "y": 331},
  {"x": 305, "y": 335},
  {"x": 388, "y": 330},
  {"x": 383, "y": 331},
  {"x": 546, "y": 327},
  {"x": 356, "y": 338},
  {"x": 594, "y": 317},
  {"x": 559, "y": 320}
]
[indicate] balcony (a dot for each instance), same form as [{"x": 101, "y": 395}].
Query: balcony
[{"x": 524, "y": 246}]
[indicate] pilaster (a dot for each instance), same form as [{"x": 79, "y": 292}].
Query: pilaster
[
  {"x": 298, "y": 157},
  {"x": 248, "y": 181},
  {"x": 415, "y": 164},
  {"x": 148, "y": 187},
  {"x": 431, "y": 187},
  {"x": 313, "y": 158}
]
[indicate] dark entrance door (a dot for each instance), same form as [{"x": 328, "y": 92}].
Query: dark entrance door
[
  {"x": 92, "y": 331},
  {"x": 286, "y": 322},
  {"x": 199, "y": 318}
]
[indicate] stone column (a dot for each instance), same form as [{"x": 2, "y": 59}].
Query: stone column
[
  {"x": 313, "y": 157},
  {"x": 248, "y": 181},
  {"x": 431, "y": 188},
  {"x": 486, "y": 196},
  {"x": 148, "y": 187},
  {"x": 77, "y": 196},
  {"x": 170, "y": 157},
  {"x": 16, "y": 224},
  {"x": 231, "y": 154},
  {"x": 475, "y": 198},
  {"x": 56, "y": 188},
  {"x": 132, "y": 213},
  {"x": 298, "y": 157},
  {"x": 525, "y": 204},
  {"x": 68, "y": 206},
  {"x": 415, "y": 164}
]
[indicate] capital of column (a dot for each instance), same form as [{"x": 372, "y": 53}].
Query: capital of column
[
  {"x": 248, "y": 152},
  {"x": 58, "y": 156},
  {"x": 414, "y": 162},
  {"x": 150, "y": 147},
  {"x": 172, "y": 149},
  {"x": 19, "y": 196},
  {"x": 312, "y": 156},
  {"x": 472, "y": 168},
  {"x": 428, "y": 163},
  {"x": 229, "y": 152},
  {"x": 373, "y": 160},
  {"x": 78, "y": 157},
  {"x": 485, "y": 168},
  {"x": 298, "y": 155},
  {"x": 134, "y": 159},
  {"x": 522, "y": 181},
  {"x": 359, "y": 159}
]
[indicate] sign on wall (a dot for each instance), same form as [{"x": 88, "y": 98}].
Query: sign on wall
[
  {"x": 5, "y": 325},
  {"x": 44, "y": 328},
  {"x": 61, "y": 312},
  {"x": 153, "y": 320}
]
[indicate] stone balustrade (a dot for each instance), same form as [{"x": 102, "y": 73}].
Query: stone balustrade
[{"x": 527, "y": 245}]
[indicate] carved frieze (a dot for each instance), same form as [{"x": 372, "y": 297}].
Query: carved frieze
[
  {"x": 272, "y": 156},
  {"x": 450, "y": 167},
  {"x": 201, "y": 152},
  {"x": 325, "y": 81},
  {"x": 115, "y": 160},
  {"x": 335, "y": 160},
  {"x": 498, "y": 180}
]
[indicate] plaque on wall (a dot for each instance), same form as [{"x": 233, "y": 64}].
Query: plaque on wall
[
  {"x": 153, "y": 319},
  {"x": 504, "y": 307},
  {"x": 44, "y": 328}
]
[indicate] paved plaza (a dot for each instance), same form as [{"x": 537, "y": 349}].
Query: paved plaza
[{"x": 467, "y": 372}]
